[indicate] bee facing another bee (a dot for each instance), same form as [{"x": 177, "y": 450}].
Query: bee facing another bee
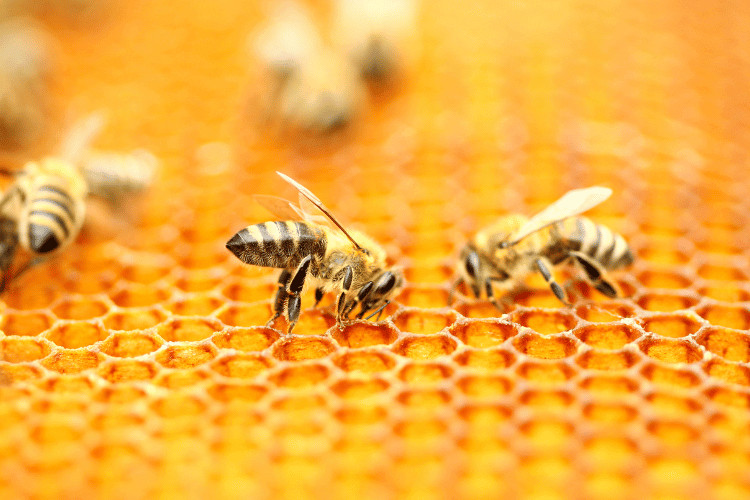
[
  {"x": 516, "y": 246},
  {"x": 43, "y": 211},
  {"x": 317, "y": 250}
]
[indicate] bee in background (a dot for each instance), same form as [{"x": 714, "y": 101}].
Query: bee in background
[
  {"x": 115, "y": 176},
  {"x": 313, "y": 87},
  {"x": 516, "y": 246},
  {"x": 317, "y": 250},
  {"x": 44, "y": 209},
  {"x": 26, "y": 66},
  {"x": 376, "y": 34}
]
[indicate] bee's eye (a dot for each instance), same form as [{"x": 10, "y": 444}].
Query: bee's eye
[
  {"x": 385, "y": 283},
  {"x": 472, "y": 264}
]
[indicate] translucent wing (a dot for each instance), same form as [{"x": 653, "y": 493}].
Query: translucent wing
[
  {"x": 286, "y": 210},
  {"x": 306, "y": 193},
  {"x": 571, "y": 203},
  {"x": 80, "y": 135}
]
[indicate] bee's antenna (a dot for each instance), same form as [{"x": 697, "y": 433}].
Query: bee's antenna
[{"x": 380, "y": 309}]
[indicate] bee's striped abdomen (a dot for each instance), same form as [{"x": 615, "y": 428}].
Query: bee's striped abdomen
[
  {"x": 51, "y": 218},
  {"x": 595, "y": 240},
  {"x": 281, "y": 244}
]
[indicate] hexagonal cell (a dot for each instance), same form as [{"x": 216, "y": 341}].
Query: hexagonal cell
[
  {"x": 721, "y": 272},
  {"x": 361, "y": 334},
  {"x": 237, "y": 391},
  {"x": 608, "y": 336},
  {"x": 485, "y": 415},
  {"x": 256, "y": 338},
  {"x": 68, "y": 384},
  {"x": 482, "y": 309},
  {"x": 185, "y": 355},
  {"x": 302, "y": 348},
  {"x": 422, "y": 322},
  {"x": 729, "y": 397},
  {"x": 55, "y": 430},
  {"x": 546, "y": 321},
  {"x": 361, "y": 415},
  {"x": 420, "y": 428},
  {"x": 177, "y": 379},
  {"x": 607, "y": 360},
  {"x": 725, "y": 291},
  {"x": 80, "y": 307},
  {"x": 127, "y": 294},
  {"x": 134, "y": 319},
  {"x": 546, "y": 399},
  {"x": 485, "y": 386},
  {"x": 245, "y": 314},
  {"x": 242, "y": 365},
  {"x": 675, "y": 377},
  {"x": 667, "y": 403},
  {"x": 131, "y": 344},
  {"x": 365, "y": 361},
  {"x": 175, "y": 404},
  {"x": 551, "y": 372},
  {"x": 23, "y": 349},
  {"x": 354, "y": 389},
  {"x": 198, "y": 280},
  {"x": 734, "y": 373},
  {"x": 485, "y": 359},
  {"x": 425, "y": 347},
  {"x": 730, "y": 344},
  {"x": 542, "y": 347},
  {"x": 672, "y": 432},
  {"x": 300, "y": 375},
  {"x": 536, "y": 298},
  {"x": 424, "y": 297},
  {"x": 737, "y": 317},
  {"x": 313, "y": 322},
  {"x": 188, "y": 329},
  {"x": 25, "y": 323},
  {"x": 604, "y": 384},
  {"x": 11, "y": 373},
  {"x": 119, "y": 394},
  {"x": 610, "y": 413},
  {"x": 415, "y": 373},
  {"x": 428, "y": 273},
  {"x": 672, "y": 325},
  {"x": 72, "y": 361},
  {"x": 194, "y": 304},
  {"x": 664, "y": 279},
  {"x": 75, "y": 334},
  {"x": 147, "y": 268},
  {"x": 424, "y": 398},
  {"x": 117, "y": 421},
  {"x": 547, "y": 433},
  {"x": 483, "y": 333},
  {"x": 201, "y": 255},
  {"x": 244, "y": 290},
  {"x": 666, "y": 302},
  {"x": 603, "y": 312},
  {"x": 671, "y": 351}
]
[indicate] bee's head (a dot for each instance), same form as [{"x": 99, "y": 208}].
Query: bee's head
[
  {"x": 471, "y": 269},
  {"x": 378, "y": 293}
]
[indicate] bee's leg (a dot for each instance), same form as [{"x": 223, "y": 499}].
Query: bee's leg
[
  {"x": 281, "y": 296},
  {"x": 491, "y": 295},
  {"x": 294, "y": 288},
  {"x": 346, "y": 284},
  {"x": 453, "y": 289},
  {"x": 595, "y": 274},
  {"x": 318, "y": 296},
  {"x": 554, "y": 285}
]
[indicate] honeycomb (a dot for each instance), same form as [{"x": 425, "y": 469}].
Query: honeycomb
[{"x": 136, "y": 364}]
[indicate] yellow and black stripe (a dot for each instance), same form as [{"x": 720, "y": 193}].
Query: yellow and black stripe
[
  {"x": 281, "y": 244},
  {"x": 51, "y": 218},
  {"x": 581, "y": 234}
]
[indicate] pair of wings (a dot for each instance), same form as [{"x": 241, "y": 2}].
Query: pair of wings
[{"x": 572, "y": 203}]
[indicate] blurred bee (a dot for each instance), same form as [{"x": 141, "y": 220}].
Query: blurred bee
[
  {"x": 376, "y": 34},
  {"x": 516, "y": 246},
  {"x": 314, "y": 249},
  {"x": 313, "y": 87},
  {"x": 44, "y": 209},
  {"x": 114, "y": 176},
  {"x": 26, "y": 62}
]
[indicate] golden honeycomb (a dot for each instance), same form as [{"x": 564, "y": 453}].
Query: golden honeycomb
[{"x": 136, "y": 364}]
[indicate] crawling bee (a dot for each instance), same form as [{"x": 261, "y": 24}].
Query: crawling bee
[
  {"x": 313, "y": 87},
  {"x": 318, "y": 250},
  {"x": 44, "y": 209},
  {"x": 515, "y": 246},
  {"x": 26, "y": 64},
  {"x": 376, "y": 34}
]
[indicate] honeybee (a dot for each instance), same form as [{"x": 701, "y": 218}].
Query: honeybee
[
  {"x": 516, "y": 246},
  {"x": 316, "y": 249},
  {"x": 44, "y": 209},
  {"x": 26, "y": 63},
  {"x": 375, "y": 33},
  {"x": 313, "y": 87}
]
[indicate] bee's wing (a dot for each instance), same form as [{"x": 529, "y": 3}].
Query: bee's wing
[
  {"x": 310, "y": 197},
  {"x": 571, "y": 203},
  {"x": 80, "y": 135},
  {"x": 279, "y": 207}
]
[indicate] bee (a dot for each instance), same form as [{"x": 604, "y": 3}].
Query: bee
[
  {"x": 313, "y": 87},
  {"x": 375, "y": 34},
  {"x": 317, "y": 250},
  {"x": 113, "y": 176},
  {"x": 516, "y": 246},
  {"x": 44, "y": 209},
  {"x": 26, "y": 66}
]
